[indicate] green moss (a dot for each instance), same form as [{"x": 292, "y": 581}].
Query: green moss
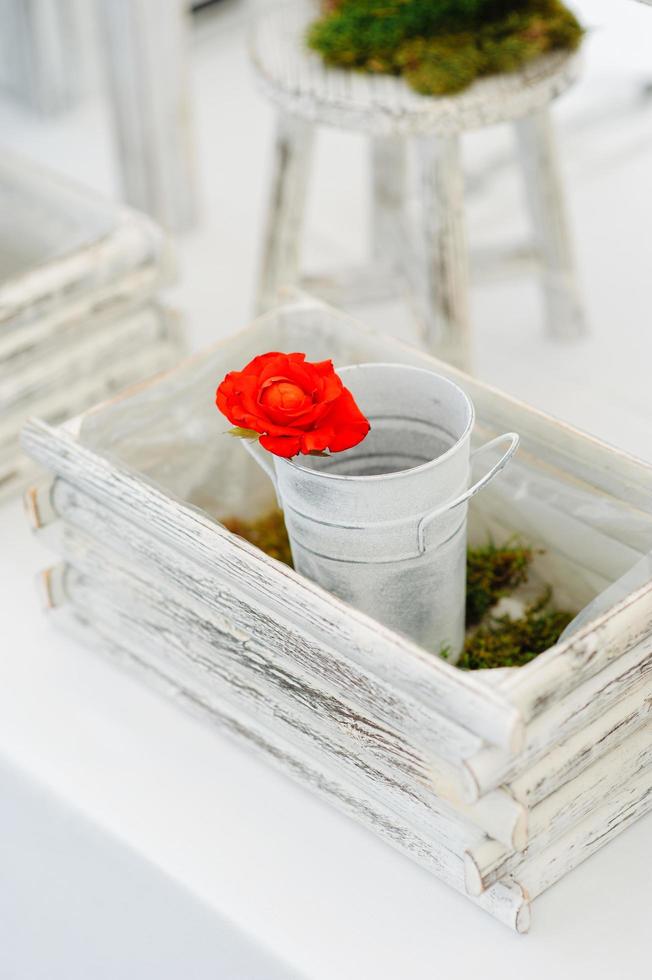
[
  {"x": 492, "y": 573},
  {"x": 505, "y": 642},
  {"x": 441, "y": 46}
]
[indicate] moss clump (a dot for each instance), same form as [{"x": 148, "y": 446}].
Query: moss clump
[
  {"x": 441, "y": 46},
  {"x": 491, "y": 574},
  {"x": 267, "y": 533},
  {"x": 504, "y": 642}
]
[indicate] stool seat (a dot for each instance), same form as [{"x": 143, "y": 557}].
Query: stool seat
[
  {"x": 298, "y": 81},
  {"x": 418, "y": 253}
]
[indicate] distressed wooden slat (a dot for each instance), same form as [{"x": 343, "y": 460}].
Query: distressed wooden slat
[
  {"x": 145, "y": 44},
  {"x": 567, "y": 806},
  {"x": 165, "y": 634},
  {"x": 85, "y": 355},
  {"x": 422, "y": 677},
  {"x": 60, "y": 402},
  {"x": 122, "y": 244},
  {"x": 282, "y": 237},
  {"x": 545, "y": 199},
  {"x": 341, "y": 713},
  {"x": 539, "y": 872},
  {"x": 443, "y": 288},
  {"x": 573, "y": 755},
  {"x": 63, "y": 326},
  {"x": 219, "y": 595},
  {"x": 493, "y": 767},
  {"x": 505, "y": 901},
  {"x": 558, "y": 670}
]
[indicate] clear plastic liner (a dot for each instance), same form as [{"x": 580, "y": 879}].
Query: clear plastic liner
[{"x": 591, "y": 548}]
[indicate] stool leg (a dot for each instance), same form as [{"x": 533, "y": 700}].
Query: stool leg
[
  {"x": 289, "y": 185},
  {"x": 545, "y": 200},
  {"x": 444, "y": 279},
  {"x": 388, "y": 185}
]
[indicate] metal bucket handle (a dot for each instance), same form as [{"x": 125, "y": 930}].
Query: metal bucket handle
[{"x": 426, "y": 519}]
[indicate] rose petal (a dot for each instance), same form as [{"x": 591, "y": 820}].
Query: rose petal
[
  {"x": 317, "y": 440},
  {"x": 287, "y": 446},
  {"x": 349, "y": 424}
]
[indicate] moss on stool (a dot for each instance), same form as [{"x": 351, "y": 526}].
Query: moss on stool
[{"x": 441, "y": 46}]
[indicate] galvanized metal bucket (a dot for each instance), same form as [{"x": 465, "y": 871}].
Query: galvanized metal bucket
[{"x": 383, "y": 525}]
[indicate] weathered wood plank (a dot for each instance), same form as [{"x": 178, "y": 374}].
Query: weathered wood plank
[
  {"x": 220, "y": 669},
  {"x": 425, "y": 679},
  {"x": 505, "y": 901},
  {"x": 539, "y": 872},
  {"x": 573, "y": 755},
  {"x": 563, "y": 809},
  {"x": 493, "y": 767},
  {"x": 341, "y": 712},
  {"x": 145, "y": 47},
  {"x": 282, "y": 237},
  {"x": 210, "y": 591},
  {"x": 558, "y": 671},
  {"x": 89, "y": 353}
]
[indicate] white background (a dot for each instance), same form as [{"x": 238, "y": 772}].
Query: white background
[{"x": 203, "y": 832}]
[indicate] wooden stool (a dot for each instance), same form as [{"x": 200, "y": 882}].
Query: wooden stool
[{"x": 435, "y": 268}]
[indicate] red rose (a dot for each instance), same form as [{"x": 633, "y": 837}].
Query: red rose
[{"x": 295, "y": 405}]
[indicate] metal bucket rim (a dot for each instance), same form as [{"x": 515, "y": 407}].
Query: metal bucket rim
[{"x": 396, "y": 474}]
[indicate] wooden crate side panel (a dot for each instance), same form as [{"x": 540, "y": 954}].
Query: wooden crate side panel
[
  {"x": 572, "y": 713},
  {"x": 217, "y": 597},
  {"x": 563, "y": 809},
  {"x": 563, "y": 762},
  {"x": 422, "y": 677},
  {"x": 628, "y": 804},
  {"x": 560, "y": 669},
  {"x": 505, "y": 901},
  {"x": 214, "y": 671}
]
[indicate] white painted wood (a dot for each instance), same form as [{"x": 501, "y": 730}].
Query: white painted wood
[
  {"x": 308, "y": 93},
  {"x": 572, "y": 756},
  {"x": 77, "y": 316},
  {"x": 39, "y": 53},
  {"x": 356, "y": 285},
  {"x": 145, "y": 48},
  {"x": 418, "y": 675},
  {"x": 288, "y": 190},
  {"x": 217, "y": 666},
  {"x": 340, "y": 708},
  {"x": 557, "y": 671},
  {"x": 429, "y": 754},
  {"x": 492, "y": 767},
  {"x": 299, "y": 82},
  {"x": 538, "y": 873},
  {"x": 24, "y": 383},
  {"x": 505, "y": 901},
  {"x": 388, "y": 185},
  {"x": 442, "y": 741},
  {"x": 16, "y": 471},
  {"x": 545, "y": 200},
  {"x": 563, "y": 809},
  {"x": 63, "y": 249},
  {"x": 444, "y": 276}
]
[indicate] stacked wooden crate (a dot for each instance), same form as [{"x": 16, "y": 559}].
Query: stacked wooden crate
[
  {"x": 78, "y": 312},
  {"x": 499, "y": 782}
]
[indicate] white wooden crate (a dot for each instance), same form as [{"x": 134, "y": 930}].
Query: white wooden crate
[
  {"x": 78, "y": 320},
  {"x": 498, "y": 782}
]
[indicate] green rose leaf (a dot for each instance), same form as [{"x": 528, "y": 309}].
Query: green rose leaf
[{"x": 240, "y": 433}]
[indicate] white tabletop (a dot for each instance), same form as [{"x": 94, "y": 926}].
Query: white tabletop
[{"x": 300, "y": 879}]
